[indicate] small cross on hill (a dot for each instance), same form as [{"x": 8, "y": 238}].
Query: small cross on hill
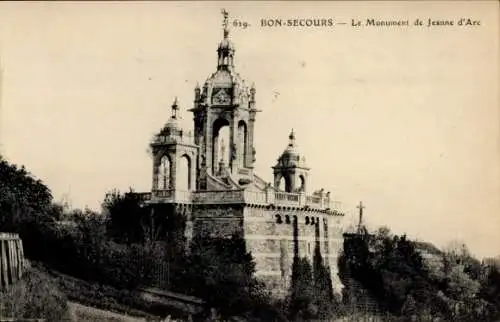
[{"x": 360, "y": 223}]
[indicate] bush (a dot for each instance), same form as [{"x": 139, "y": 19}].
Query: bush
[{"x": 35, "y": 296}]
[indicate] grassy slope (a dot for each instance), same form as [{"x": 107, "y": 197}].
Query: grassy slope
[{"x": 103, "y": 297}]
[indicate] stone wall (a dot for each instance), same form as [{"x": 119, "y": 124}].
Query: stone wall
[
  {"x": 275, "y": 235},
  {"x": 218, "y": 220}
]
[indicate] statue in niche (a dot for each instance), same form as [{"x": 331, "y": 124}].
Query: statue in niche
[{"x": 253, "y": 154}]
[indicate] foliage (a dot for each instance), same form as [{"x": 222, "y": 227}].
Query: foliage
[
  {"x": 449, "y": 285},
  {"x": 36, "y": 296},
  {"x": 490, "y": 290},
  {"x": 103, "y": 296},
  {"x": 220, "y": 271},
  {"x": 23, "y": 198},
  {"x": 301, "y": 302},
  {"x": 324, "y": 298},
  {"x": 125, "y": 216},
  {"x": 392, "y": 271}
]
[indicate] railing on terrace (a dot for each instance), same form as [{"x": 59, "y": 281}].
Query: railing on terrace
[
  {"x": 172, "y": 195},
  {"x": 313, "y": 199},
  {"x": 215, "y": 197},
  {"x": 242, "y": 196},
  {"x": 144, "y": 196}
]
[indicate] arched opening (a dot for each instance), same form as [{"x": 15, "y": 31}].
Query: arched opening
[
  {"x": 287, "y": 219},
  {"x": 302, "y": 182},
  {"x": 307, "y": 220},
  {"x": 285, "y": 184},
  {"x": 221, "y": 149},
  {"x": 282, "y": 184},
  {"x": 278, "y": 219},
  {"x": 184, "y": 173},
  {"x": 242, "y": 143},
  {"x": 164, "y": 173}
]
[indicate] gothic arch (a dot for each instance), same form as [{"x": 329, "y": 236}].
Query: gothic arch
[
  {"x": 217, "y": 125},
  {"x": 184, "y": 180},
  {"x": 164, "y": 173},
  {"x": 302, "y": 182},
  {"x": 283, "y": 182},
  {"x": 242, "y": 142}
]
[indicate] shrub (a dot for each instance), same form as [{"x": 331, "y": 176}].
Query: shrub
[{"x": 35, "y": 296}]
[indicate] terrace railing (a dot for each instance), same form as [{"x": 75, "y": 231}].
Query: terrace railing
[{"x": 241, "y": 196}]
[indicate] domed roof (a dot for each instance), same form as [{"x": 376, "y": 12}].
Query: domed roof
[
  {"x": 291, "y": 149},
  {"x": 225, "y": 79},
  {"x": 291, "y": 155},
  {"x": 172, "y": 125}
]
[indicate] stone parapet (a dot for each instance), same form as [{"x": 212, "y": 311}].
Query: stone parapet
[{"x": 266, "y": 198}]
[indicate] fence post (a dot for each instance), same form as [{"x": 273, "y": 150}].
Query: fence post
[{"x": 12, "y": 262}]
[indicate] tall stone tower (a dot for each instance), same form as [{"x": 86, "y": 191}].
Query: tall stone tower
[
  {"x": 291, "y": 168},
  {"x": 225, "y": 100},
  {"x": 218, "y": 197},
  {"x": 172, "y": 147}
]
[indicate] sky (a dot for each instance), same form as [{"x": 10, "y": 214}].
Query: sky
[{"x": 405, "y": 119}]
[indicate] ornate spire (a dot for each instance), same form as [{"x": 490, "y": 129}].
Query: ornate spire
[{"x": 226, "y": 48}]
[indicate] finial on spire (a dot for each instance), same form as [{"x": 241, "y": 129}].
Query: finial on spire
[
  {"x": 225, "y": 23},
  {"x": 292, "y": 137},
  {"x": 175, "y": 108}
]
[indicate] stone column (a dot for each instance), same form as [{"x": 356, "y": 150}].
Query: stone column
[
  {"x": 154, "y": 184},
  {"x": 249, "y": 149},
  {"x": 173, "y": 169}
]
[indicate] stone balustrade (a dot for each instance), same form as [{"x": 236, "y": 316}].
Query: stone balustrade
[
  {"x": 174, "y": 136},
  {"x": 268, "y": 197}
]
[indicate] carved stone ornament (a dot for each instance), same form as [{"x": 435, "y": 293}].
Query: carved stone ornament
[{"x": 221, "y": 98}]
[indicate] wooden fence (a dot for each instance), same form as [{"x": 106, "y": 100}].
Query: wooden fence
[{"x": 12, "y": 262}]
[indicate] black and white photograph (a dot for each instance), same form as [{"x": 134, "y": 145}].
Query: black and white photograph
[{"x": 250, "y": 161}]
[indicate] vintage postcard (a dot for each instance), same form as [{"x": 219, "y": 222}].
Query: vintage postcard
[{"x": 250, "y": 161}]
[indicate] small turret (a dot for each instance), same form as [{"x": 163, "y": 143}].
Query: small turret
[{"x": 291, "y": 168}]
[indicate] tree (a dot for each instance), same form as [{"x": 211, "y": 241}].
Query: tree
[
  {"x": 221, "y": 272},
  {"x": 301, "y": 303},
  {"x": 125, "y": 216},
  {"x": 23, "y": 198},
  {"x": 324, "y": 298},
  {"x": 490, "y": 290}
]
